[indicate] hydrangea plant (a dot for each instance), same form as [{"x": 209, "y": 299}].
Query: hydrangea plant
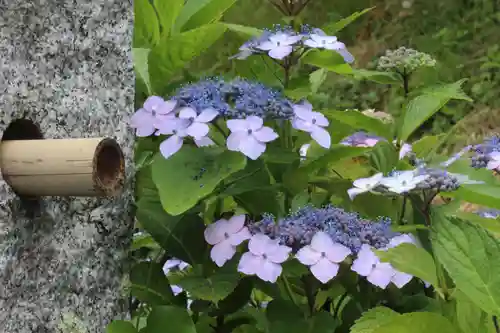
[{"x": 258, "y": 212}]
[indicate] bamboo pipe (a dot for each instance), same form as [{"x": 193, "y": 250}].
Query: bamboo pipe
[{"x": 63, "y": 167}]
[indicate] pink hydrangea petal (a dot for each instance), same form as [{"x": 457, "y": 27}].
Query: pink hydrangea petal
[
  {"x": 222, "y": 252},
  {"x": 153, "y": 103},
  {"x": 302, "y": 125},
  {"x": 365, "y": 262},
  {"x": 381, "y": 275},
  {"x": 308, "y": 256},
  {"x": 265, "y": 134},
  {"x": 215, "y": 233},
  {"x": 240, "y": 236},
  {"x": 254, "y": 122},
  {"x": 197, "y": 130},
  {"x": 236, "y": 125},
  {"x": 400, "y": 279},
  {"x": 252, "y": 148},
  {"x": 280, "y": 52},
  {"x": 236, "y": 223},
  {"x": 324, "y": 270},
  {"x": 187, "y": 113},
  {"x": 269, "y": 271},
  {"x": 171, "y": 146},
  {"x": 321, "y": 136},
  {"x": 249, "y": 263},
  {"x": 278, "y": 254},
  {"x": 207, "y": 115},
  {"x": 167, "y": 107},
  {"x": 259, "y": 244}
]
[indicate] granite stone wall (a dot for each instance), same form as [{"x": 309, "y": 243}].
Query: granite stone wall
[{"x": 66, "y": 65}]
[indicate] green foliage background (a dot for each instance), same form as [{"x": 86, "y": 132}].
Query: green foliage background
[{"x": 462, "y": 35}]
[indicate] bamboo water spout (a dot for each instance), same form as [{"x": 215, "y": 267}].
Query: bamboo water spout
[{"x": 62, "y": 167}]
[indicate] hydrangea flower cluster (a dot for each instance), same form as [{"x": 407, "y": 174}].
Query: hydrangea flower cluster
[
  {"x": 319, "y": 238},
  {"x": 489, "y": 213},
  {"x": 487, "y": 154},
  {"x": 404, "y": 60},
  {"x": 173, "y": 265},
  {"x": 282, "y": 41},
  {"x": 362, "y": 139},
  {"x": 246, "y": 104}
]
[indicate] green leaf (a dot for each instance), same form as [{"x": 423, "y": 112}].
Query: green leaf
[
  {"x": 181, "y": 236},
  {"x": 322, "y": 322},
  {"x": 469, "y": 317},
  {"x": 424, "y": 106},
  {"x": 334, "y": 154},
  {"x": 237, "y": 299},
  {"x": 490, "y": 225},
  {"x": 316, "y": 79},
  {"x": 191, "y": 174},
  {"x": 376, "y": 76},
  {"x": 141, "y": 69},
  {"x": 172, "y": 54},
  {"x": 359, "y": 121},
  {"x": 333, "y": 28},
  {"x": 120, "y": 326},
  {"x": 331, "y": 61},
  {"x": 285, "y": 317},
  {"x": 417, "y": 322},
  {"x": 481, "y": 194},
  {"x": 190, "y": 8},
  {"x": 470, "y": 255},
  {"x": 210, "y": 288},
  {"x": 149, "y": 284},
  {"x": 384, "y": 157},
  {"x": 374, "y": 319},
  {"x": 243, "y": 30},
  {"x": 168, "y": 10},
  {"x": 426, "y": 145},
  {"x": 146, "y": 28},
  {"x": 211, "y": 12},
  {"x": 413, "y": 260},
  {"x": 169, "y": 319},
  {"x": 144, "y": 241}
]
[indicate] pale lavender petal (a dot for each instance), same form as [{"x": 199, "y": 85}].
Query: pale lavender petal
[
  {"x": 265, "y": 134},
  {"x": 204, "y": 142},
  {"x": 234, "y": 140},
  {"x": 404, "y": 238},
  {"x": 215, "y": 233},
  {"x": 290, "y": 40},
  {"x": 254, "y": 122},
  {"x": 269, "y": 271},
  {"x": 400, "y": 279},
  {"x": 140, "y": 117},
  {"x": 320, "y": 119},
  {"x": 187, "y": 113},
  {"x": 152, "y": 103},
  {"x": 167, "y": 107},
  {"x": 405, "y": 150},
  {"x": 176, "y": 290},
  {"x": 266, "y": 46},
  {"x": 302, "y": 125},
  {"x": 240, "y": 236},
  {"x": 145, "y": 130},
  {"x": 321, "y": 242},
  {"x": 353, "y": 192},
  {"x": 304, "y": 112},
  {"x": 236, "y": 125},
  {"x": 222, "y": 252},
  {"x": 259, "y": 244},
  {"x": 338, "y": 253},
  {"x": 348, "y": 57},
  {"x": 381, "y": 275},
  {"x": 311, "y": 43},
  {"x": 171, "y": 146},
  {"x": 321, "y": 136},
  {"x": 278, "y": 254},
  {"x": 365, "y": 262},
  {"x": 207, "y": 115},
  {"x": 236, "y": 223},
  {"x": 280, "y": 52},
  {"x": 371, "y": 142},
  {"x": 308, "y": 256},
  {"x": 166, "y": 124},
  {"x": 252, "y": 148},
  {"x": 324, "y": 270},
  {"x": 169, "y": 264},
  {"x": 198, "y": 130},
  {"x": 492, "y": 165},
  {"x": 249, "y": 263}
]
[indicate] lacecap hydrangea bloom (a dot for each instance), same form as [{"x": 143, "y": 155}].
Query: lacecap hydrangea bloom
[
  {"x": 319, "y": 238},
  {"x": 244, "y": 105},
  {"x": 404, "y": 60},
  {"x": 281, "y": 41},
  {"x": 487, "y": 154},
  {"x": 362, "y": 139}
]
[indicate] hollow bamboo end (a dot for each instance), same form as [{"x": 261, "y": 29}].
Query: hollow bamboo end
[{"x": 108, "y": 172}]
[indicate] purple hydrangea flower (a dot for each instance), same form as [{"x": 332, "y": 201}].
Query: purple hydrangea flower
[
  {"x": 153, "y": 110},
  {"x": 172, "y": 264},
  {"x": 225, "y": 235},
  {"x": 363, "y": 185},
  {"x": 312, "y": 122},
  {"x": 323, "y": 256},
  {"x": 280, "y": 44},
  {"x": 264, "y": 258},
  {"x": 361, "y": 139},
  {"x": 489, "y": 213},
  {"x": 484, "y": 152}
]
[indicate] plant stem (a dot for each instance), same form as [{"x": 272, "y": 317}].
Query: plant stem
[
  {"x": 495, "y": 322},
  {"x": 288, "y": 290},
  {"x": 339, "y": 304},
  {"x": 403, "y": 210},
  {"x": 309, "y": 294}
]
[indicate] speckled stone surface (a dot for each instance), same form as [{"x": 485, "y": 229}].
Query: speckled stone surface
[{"x": 66, "y": 65}]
